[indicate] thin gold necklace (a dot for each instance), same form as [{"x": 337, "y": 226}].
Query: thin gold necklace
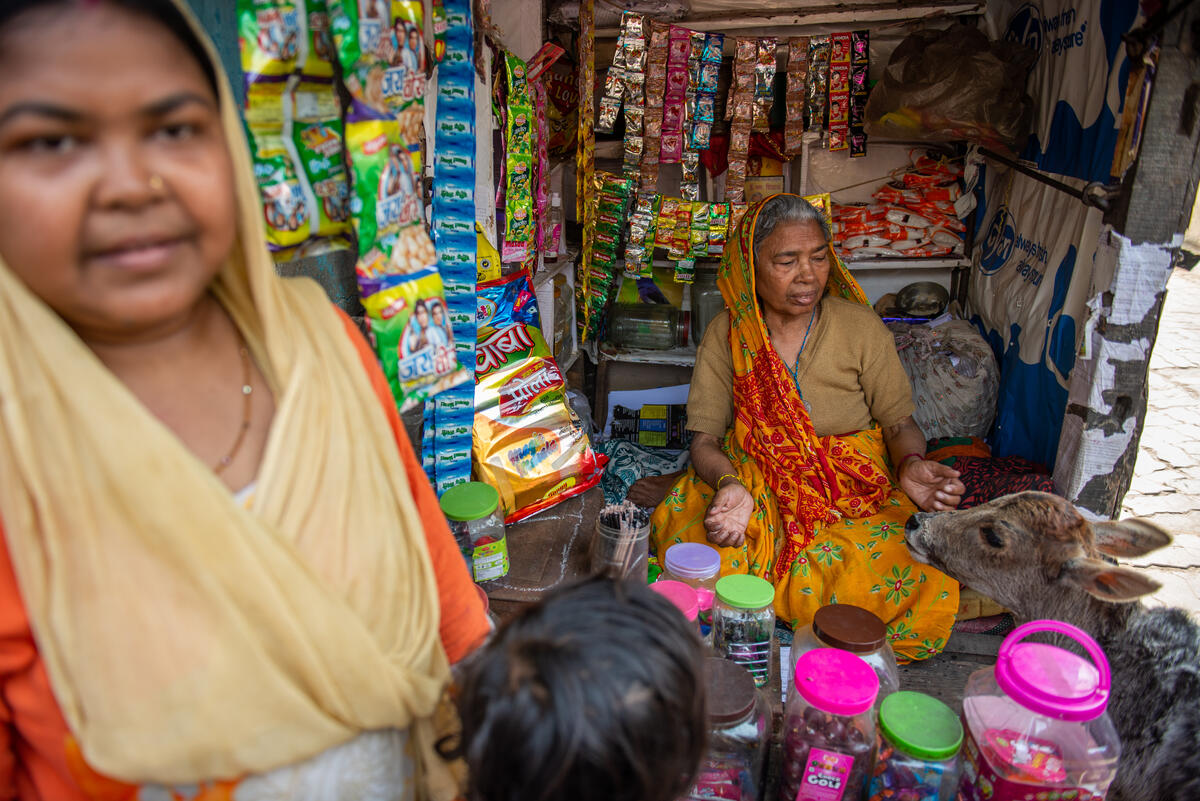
[{"x": 247, "y": 391}]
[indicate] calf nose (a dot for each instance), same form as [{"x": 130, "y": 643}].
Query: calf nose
[{"x": 912, "y": 525}]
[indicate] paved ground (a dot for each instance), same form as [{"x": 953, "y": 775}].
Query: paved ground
[{"x": 1166, "y": 483}]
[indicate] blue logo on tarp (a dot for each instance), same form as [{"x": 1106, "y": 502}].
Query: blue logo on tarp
[
  {"x": 1025, "y": 28},
  {"x": 998, "y": 245}
]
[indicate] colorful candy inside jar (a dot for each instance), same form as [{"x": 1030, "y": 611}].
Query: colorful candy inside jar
[
  {"x": 744, "y": 623},
  {"x": 829, "y": 727},
  {"x": 917, "y": 756},
  {"x": 1035, "y": 723},
  {"x": 739, "y": 721},
  {"x": 472, "y": 510}
]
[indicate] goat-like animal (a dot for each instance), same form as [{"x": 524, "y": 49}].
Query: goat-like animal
[{"x": 1035, "y": 554}]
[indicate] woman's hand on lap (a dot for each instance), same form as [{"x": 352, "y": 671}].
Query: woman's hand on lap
[
  {"x": 932, "y": 486},
  {"x": 729, "y": 515}
]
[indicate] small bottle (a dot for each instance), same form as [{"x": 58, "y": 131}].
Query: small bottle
[{"x": 554, "y": 225}]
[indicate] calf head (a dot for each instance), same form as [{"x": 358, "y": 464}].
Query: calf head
[{"x": 1028, "y": 550}]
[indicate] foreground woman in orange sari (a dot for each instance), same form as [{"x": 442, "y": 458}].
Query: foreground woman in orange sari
[{"x": 801, "y": 414}]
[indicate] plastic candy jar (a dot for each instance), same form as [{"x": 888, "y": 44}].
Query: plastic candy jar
[
  {"x": 829, "y": 727},
  {"x": 1036, "y": 725},
  {"x": 744, "y": 623},
  {"x": 698, "y": 566},
  {"x": 917, "y": 755},
  {"x": 684, "y": 598},
  {"x": 852, "y": 629},
  {"x": 739, "y": 722},
  {"x": 478, "y": 528}
]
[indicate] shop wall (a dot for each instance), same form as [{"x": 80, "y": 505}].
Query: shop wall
[{"x": 1032, "y": 273}]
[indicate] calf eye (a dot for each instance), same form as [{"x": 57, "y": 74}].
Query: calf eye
[{"x": 993, "y": 539}]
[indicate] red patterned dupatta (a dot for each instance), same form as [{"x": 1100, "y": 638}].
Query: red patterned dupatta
[{"x": 816, "y": 480}]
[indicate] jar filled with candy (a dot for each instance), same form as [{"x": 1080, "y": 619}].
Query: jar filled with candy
[
  {"x": 698, "y": 566},
  {"x": 852, "y": 629},
  {"x": 472, "y": 509},
  {"x": 1036, "y": 725},
  {"x": 684, "y": 598},
  {"x": 917, "y": 755},
  {"x": 829, "y": 727},
  {"x": 739, "y": 728},
  {"x": 744, "y": 623}
]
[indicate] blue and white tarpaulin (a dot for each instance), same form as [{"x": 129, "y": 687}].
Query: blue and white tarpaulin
[
  {"x": 1028, "y": 293},
  {"x": 1033, "y": 259},
  {"x": 1078, "y": 80}
]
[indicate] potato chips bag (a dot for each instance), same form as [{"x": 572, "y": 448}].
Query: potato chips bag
[
  {"x": 528, "y": 443},
  {"x": 271, "y": 36}
]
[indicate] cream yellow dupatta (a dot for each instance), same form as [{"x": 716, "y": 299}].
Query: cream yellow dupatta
[{"x": 185, "y": 637}]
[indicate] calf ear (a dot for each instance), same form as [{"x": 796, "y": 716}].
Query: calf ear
[
  {"x": 1108, "y": 582},
  {"x": 1129, "y": 537}
]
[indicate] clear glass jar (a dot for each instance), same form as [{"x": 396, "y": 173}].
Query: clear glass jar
[
  {"x": 654, "y": 326},
  {"x": 739, "y": 719},
  {"x": 698, "y": 566},
  {"x": 744, "y": 623},
  {"x": 852, "y": 629},
  {"x": 707, "y": 301},
  {"x": 620, "y": 545},
  {"x": 472, "y": 510},
  {"x": 917, "y": 749},
  {"x": 1035, "y": 723},
  {"x": 829, "y": 727}
]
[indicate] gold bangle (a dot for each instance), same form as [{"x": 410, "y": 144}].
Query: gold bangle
[{"x": 728, "y": 475}]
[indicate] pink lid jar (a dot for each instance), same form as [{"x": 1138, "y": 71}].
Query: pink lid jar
[
  {"x": 829, "y": 727},
  {"x": 1035, "y": 723}
]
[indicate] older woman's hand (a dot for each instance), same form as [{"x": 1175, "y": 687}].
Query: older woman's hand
[
  {"x": 729, "y": 515},
  {"x": 931, "y": 485}
]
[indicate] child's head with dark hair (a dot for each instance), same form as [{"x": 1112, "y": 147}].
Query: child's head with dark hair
[{"x": 595, "y": 693}]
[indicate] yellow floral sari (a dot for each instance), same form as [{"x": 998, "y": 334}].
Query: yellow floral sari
[{"x": 828, "y": 525}]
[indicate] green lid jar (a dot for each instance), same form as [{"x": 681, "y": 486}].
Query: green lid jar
[
  {"x": 473, "y": 500},
  {"x": 922, "y": 738},
  {"x": 472, "y": 510},
  {"x": 744, "y": 624}
]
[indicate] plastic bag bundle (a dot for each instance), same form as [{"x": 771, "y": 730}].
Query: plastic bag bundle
[
  {"x": 528, "y": 442},
  {"x": 951, "y": 85},
  {"x": 914, "y": 215},
  {"x": 954, "y": 377}
]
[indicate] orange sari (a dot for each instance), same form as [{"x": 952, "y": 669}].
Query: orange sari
[{"x": 829, "y": 519}]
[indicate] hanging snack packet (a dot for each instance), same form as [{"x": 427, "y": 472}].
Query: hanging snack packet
[
  {"x": 412, "y": 334},
  {"x": 797, "y": 77},
  {"x": 316, "y": 127},
  {"x": 270, "y": 36},
  {"x": 817, "y": 89},
  {"x": 718, "y": 228},
  {"x": 764, "y": 83},
  {"x": 381, "y": 47},
  {"x": 386, "y": 207},
  {"x": 285, "y": 206},
  {"x": 528, "y": 442},
  {"x": 316, "y": 62},
  {"x": 519, "y": 226},
  {"x": 656, "y": 89},
  {"x": 679, "y": 47}
]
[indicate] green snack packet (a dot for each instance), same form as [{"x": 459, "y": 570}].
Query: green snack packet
[
  {"x": 284, "y": 204},
  {"x": 270, "y": 35},
  {"x": 317, "y": 137},
  {"x": 385, "y": 204}
]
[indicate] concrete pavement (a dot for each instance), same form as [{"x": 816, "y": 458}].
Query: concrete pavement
[{"x": 1166, "y": 482}]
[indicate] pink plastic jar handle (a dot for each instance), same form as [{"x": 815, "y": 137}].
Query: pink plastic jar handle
[{"x": 1075, "y": 633}]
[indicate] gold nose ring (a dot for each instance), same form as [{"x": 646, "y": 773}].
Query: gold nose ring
[{"x": 156, "y": 183}]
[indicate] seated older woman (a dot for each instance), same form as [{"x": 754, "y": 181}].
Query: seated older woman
[{"x": 806, "y": 462}]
